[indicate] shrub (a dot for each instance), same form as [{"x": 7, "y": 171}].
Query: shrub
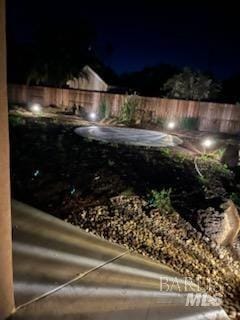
[
  {"x": 161, "y": 199},
  {"x": 161, "y": 122},
  {"x": 104, "y": 110},
  {"x": 192, "y": 85},
  {"x": 16, "y": 120},
  {"x": 128, "y": 110},
  {"x": 189, "y": 123}
]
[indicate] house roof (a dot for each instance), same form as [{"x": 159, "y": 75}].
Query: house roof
[{"x": 88, "y": 69}]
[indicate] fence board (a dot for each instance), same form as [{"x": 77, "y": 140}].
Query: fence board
[{"x": 213, "y": 117}]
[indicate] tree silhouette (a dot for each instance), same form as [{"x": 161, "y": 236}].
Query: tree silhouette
[
  {"x": 191, "y": 85},
  {"x": 56, "y": 53},
  {"x": 150, "y": 80},
  {"x": 231, "y": 89},
  {"x": 60, "y": 52}
]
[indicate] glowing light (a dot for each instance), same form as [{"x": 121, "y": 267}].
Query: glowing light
[
  {"x": 36, "y": 108},
  {"x": 72, "y": 191},
  {"x": 36, "y": 173},
  {"x": 208, "y": 143},
  {"x": 171, "y": 125},
  {"x": 92, "y": 116}
]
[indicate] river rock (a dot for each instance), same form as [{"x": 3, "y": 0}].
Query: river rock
[{"x": 220, "y": 226}]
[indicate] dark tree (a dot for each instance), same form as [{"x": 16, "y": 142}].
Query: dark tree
[
  {"x": 56, "y": 53},
  {"x": 192, "y": 85},
  {"x": 231, "y": 89},
  {"x": 150, "y": 80}
]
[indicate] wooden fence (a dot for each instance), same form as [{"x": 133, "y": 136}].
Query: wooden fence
[{"x": 213, "y": 117}]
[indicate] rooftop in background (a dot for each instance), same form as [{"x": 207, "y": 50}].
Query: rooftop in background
[
  {"x": 88, "y": 80},
  {"x": 97, "y": 78}
]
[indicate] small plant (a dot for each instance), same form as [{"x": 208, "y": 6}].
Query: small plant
[
  {"x": 128, "y": 110},
  {"x": 166, "y": 152},
  {"x": 161, "y": 199},
  {"x": 111, "y": 163},
  {"x": 104, "y": 110},
  {"x": 161, "y": 122},
  {"x": 209, "y": 163},
  {"x": 189, "y": 123},
  {"x": 16, "y": 120}
]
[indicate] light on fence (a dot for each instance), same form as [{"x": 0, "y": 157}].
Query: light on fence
[
  {"x": 208, "y": 143},
  {"x": 36, "y": 108},
  {"x": 171, "y": 125},
  {"x": 93, "y": 116}
]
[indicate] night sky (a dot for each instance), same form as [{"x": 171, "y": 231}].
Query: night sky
[{"x": 134, "y": 34}]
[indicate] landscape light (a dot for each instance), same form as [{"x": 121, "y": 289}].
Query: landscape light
[
  {"x": 36, "y": 108},
  {"x": 36, "y": 173},
  {"x": 208, "y": 143},
  {"x": 171, "y": 125},
  {"x": 93, "y": 116}
]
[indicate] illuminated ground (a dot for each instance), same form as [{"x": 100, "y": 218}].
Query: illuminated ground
[{"x": 129, "y": 136}]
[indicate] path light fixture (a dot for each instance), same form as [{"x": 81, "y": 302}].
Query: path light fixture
[
  {"x": 207, "y": 144},
  {"x": 93, "y": 116},
  {"x": 171, "y": 125},
  {"x": 36, "y": 108}
]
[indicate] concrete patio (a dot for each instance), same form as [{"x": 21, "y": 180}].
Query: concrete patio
[{"x": 61, "y": 272}]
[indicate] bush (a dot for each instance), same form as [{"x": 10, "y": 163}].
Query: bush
[
  {"x": 128, "y": 110},
  {"x": 192, "y": 85},
  {"x": 189, "y": 123},
  {"x": 161, "y": 122},
  {"x": 104, "y": 110},
  {"x": 161, "y": 199},
  {"x": 16, "y": 120}
]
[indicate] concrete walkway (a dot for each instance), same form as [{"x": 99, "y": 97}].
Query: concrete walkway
[
  {"x": 130, "y": 136},
  {"x": 61, "y": 272}
]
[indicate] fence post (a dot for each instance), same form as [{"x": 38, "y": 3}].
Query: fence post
[{"x": 6, "y": 278}]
